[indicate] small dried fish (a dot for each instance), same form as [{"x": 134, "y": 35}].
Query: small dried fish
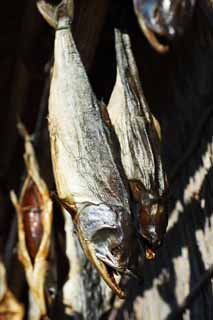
[
  {"x": 139, "y": 136},
  {"x": 86, "y": 169},
  {"x": 163, "y": 17},
  {"x": 34, "y": 211}
]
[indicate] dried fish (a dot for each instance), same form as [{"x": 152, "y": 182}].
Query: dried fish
[
  {"x": 34, "y": 211},
  {"x": 163, "y": 17},
  {"x": 10, "y": 308},
  {"x": 139, "y": 136},
  {"x": 86, "y": 169}
]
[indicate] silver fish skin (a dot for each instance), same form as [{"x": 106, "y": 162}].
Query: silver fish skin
[
  {"x": 84, "y": 163},
  {"x": 139, "y": 137}
]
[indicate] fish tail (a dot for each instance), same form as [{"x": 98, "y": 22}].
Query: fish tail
[{"x": 56, "y": 14}]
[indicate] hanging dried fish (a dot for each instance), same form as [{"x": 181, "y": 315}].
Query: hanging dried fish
[
  {"x": 10, "y": 308},
  {"x": 163, "y": 17},
  {"x": 86, "y": 169},
  {"x": 34, "y": 212},
  {"x": 139, "y": 136}
]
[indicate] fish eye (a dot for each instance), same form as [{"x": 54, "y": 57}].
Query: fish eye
[{"x": 107, "y": 237}]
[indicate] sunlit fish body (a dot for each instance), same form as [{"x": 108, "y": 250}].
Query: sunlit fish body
[
  {"x": 86, "y": 170},
  {"x": 139, "y": 136}
]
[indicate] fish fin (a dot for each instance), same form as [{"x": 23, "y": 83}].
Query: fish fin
[
  {"x": 157, "y": 127},
  {"x": 135, "y": 187}
]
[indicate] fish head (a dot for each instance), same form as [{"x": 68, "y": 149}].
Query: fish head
[
  {"x": 105, "y": 234},
  {"x": 153, "y": 220},
  {"x": 151, "y": 215},
  {"x": 165, "y": 17}
]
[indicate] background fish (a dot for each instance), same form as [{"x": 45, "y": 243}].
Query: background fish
[{"x": 163, "y": 17}]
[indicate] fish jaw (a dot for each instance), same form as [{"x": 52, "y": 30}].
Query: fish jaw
[
  {"x": 108, "y": 275},
  {"x": 106, "y": 237},
  {"x": 153, "y": 221}
]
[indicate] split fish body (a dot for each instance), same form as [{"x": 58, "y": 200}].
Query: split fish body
[{"x": 139, "y": 136}]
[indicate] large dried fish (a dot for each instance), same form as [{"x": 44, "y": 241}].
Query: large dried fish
[
  {"x": 139, "y": 136},
  {"x": 87, "y": 174},
  {"x": 163, "y": 17}
]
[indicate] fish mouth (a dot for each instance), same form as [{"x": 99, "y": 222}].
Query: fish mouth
[
  {"x": 108, "y": 272},
  {"x": 112, "y": 277}
]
